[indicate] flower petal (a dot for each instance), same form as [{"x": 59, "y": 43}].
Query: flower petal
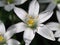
[
  {"x": 19, "y": 27},
  {"x": 59, "y": 39},
  {"x": 53, "y": 26},
  {"x": 58, "y": 5},
  {"x": 58, "y": 15},
  {"x": 46, "y": 32},
  {"x": 50, "y": 7},
  {"x": 44, "y": 1},
  {"x": 13, "y": 42},
  {"x": 16, "y": 28},
  {"x": 1, "y": 4},
  {"x": 57, "y": 33},
  {"x": 9, "y": 7},
  {"x": 44, "y": 16},
  {"x": 34, "y": 8},
  {"x": 20, "y": 13},
  {"x": 28, "y": 36},
  {"x": 18, "y": 2},
  {"x": 9, "y": 34},
  {"x": 2, "y": 28}
]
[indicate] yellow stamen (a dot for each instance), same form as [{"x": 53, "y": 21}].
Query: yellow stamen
[
  {"x": 1, "y": 38},
  {"x": 30, "y": 22}
]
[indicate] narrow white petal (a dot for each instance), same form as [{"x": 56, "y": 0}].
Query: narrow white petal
[
  {"x": 44, "y": 1},
  {"x": 59, "y": 39},
  {"x": 54, "y": 26},
  {"x": 50, "y": 7},
  {"x": 28, "y": 35},
  {"x": 2, "y": 28},
  {"x": 27, "y": 44},
  {"x": 13, "y": 42},
  {"x": 46, "y": 32},
  {"x": 58, "y": 5},
  {"x": 20, "y": 13},
  {"x": 19, "y": 27},
  {"x": 57, "y": 33},
  {"x": 18, "y": 2},
  {"x": 44, "y": 16},
  {"x": 34, "y": 8},
  {"x": 9, "y": 34},
  {"x": 9, "y": 7},
  {"x": 58, "y": 15},
  {"x": 1, "y": 4},
  {"x": 16, "y": 28}
]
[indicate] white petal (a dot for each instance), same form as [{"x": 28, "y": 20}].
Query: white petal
[
  {"x": 19, "y": 27},
  {"x": 50, "y": 7},
  {"x": 13, "y": 42},
  {"x": 2, "y": 28},
  {"x": 16, "y": 28},
  {"x": 28, "y": 35},
  {"x": 34, "y": 8},
  {"x": 27, "y": 44},
  {"x": 58, "y": 15},
  {"x": 9, "y": 34},
  {"x": 59, "y": 39},
  {"x": 9, "y": 7},
  {"x": 1, "y": 4},
  {"x": 58, "y": 5},
  {"x": 57, "y": 33},
  {"x": 18, "y": 2},
  {"x": 5, "y": 44},
  {"x": 54, "y": 26},
  {"x": 20, "y": 13},
  {"x": 46, "y": 32},
  {"x": 44, "y": 1},
  {"x": 44, "y": 16}
]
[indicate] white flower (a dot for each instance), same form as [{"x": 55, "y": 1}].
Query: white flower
[
  {"x": 5, "y": 37},
  {"x": 32, "y": 23},
  {"x": 54, "y": 26},
  {"x": 10, "y": 4}
]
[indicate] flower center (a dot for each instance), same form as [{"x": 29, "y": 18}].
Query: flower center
[
  {"x": 1, "y": 38},
  {"x": 30, "y": 22},
  {"x": 9, "y": 1},
  {"x": 57, "y": 1}
]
